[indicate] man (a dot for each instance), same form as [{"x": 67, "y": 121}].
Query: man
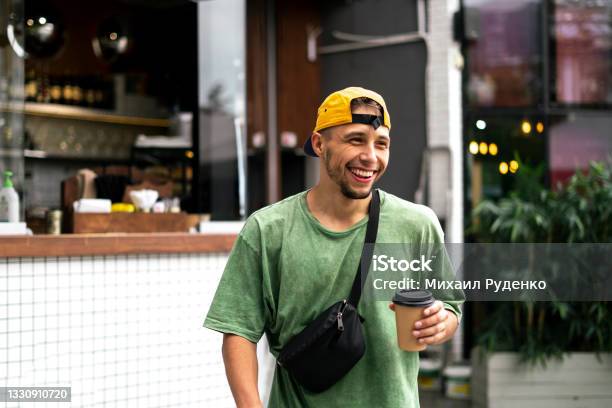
[{"x": 295, "y": 258}]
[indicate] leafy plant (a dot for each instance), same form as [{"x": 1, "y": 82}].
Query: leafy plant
[{"x": 577, "y": 212}]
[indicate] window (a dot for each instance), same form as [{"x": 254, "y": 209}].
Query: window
[
  {"x": 582, "y": 46},
  {"x": 503, "y": 52}
]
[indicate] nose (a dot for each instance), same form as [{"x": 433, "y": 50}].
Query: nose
[{"x": 368, "y": 153}]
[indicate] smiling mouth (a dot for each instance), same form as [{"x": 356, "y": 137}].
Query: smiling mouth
[{"x": 362, "y": 175}]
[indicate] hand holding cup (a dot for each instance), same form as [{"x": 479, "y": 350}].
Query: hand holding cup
[{"x": 420, "y": 320}]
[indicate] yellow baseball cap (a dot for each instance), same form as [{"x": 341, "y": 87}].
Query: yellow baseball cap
[{"x": 336, "y": 110}]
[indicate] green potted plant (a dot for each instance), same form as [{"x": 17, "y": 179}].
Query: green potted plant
[{"x": 539, "y": 340}]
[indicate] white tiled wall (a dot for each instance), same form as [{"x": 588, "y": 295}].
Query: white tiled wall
[{"x": 122, "y": 331}]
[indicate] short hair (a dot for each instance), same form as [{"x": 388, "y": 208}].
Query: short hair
[{"x": 365, "y": 101}]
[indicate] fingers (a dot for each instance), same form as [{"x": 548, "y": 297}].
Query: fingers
[
  {"x": 439, "y": 317},
  {"x": 430, "y": 331},
  {"x": 433, "y": 309},
  {"x": 435, "y": 339}
]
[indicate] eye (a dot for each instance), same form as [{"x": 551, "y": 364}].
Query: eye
[{"x": 383, "y": 144}]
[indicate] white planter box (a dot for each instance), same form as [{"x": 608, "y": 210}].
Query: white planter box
[{"x": 579, "y": 381}]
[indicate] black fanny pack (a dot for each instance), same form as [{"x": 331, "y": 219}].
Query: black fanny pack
[{"x": 327, "y": 349}]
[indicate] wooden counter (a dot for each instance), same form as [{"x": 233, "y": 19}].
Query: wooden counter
[{"x": 113, "y": 244}]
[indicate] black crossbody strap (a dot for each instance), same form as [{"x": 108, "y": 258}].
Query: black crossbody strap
[{"x": 366, "y": 253}]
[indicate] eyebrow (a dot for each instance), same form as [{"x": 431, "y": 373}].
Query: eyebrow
[{"x": 361, "y": 134}]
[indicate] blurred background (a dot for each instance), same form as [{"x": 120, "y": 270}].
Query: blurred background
[{"x": 502, "y": 109}]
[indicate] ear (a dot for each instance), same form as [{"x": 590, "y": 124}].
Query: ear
[{"x": 317, "y": 143}]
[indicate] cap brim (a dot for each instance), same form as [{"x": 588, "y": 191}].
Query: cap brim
[{"x": 308, "y": 148}]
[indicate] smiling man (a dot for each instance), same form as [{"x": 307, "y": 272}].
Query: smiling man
[{"x": 295, "y": 258}]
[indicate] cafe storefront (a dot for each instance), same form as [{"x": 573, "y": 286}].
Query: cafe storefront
[
  {"x": 104, "y": 105},
  {"x": 207, "y": 104}
]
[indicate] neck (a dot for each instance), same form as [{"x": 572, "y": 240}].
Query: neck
[{"x": 327, "y": 203}]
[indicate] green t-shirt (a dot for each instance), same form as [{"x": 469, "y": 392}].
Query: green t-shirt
[{"x": 286, "y": 268}]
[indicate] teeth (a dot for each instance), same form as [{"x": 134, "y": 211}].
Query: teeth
[{"x": 363, "y": 173}]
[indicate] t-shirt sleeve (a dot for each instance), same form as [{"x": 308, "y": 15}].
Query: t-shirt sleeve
[{"x": 238, "y": 305}]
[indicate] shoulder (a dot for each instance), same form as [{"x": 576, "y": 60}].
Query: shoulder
[
  {"x": 270, "y": 221},
  {"x": 277, "y": 212},
  {"x": 417, "y": 216},
  {"x": 408, "y": 209}
]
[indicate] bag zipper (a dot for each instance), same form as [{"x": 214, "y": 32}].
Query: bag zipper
[{"x": 340, "y": 322}]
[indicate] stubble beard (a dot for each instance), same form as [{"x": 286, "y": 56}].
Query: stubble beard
[{"x": 336, "y": 176}]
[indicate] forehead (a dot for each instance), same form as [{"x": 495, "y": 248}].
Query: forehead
[{"x": 360, "y": 128}]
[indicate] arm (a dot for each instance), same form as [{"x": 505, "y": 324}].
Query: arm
[{"x": 240, "y": 358}]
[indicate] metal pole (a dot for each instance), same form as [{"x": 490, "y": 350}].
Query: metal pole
[{"x": 273, "y": 168}]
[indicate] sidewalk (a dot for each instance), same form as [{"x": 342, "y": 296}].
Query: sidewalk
[{"x": 435, "y": 399}]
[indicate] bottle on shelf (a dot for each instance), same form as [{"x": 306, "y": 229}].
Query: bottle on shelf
[
  {"x": 55, "y": 90},
  {"x": 99, "y": 93},
  {"x": 89, "y": 92},
  {"x": 9, "y": 200},
  {"x": 31, "y": 86},
  {"x": 61, "y": 82},
  {"x": 67, "y": 95},
  {"x": 46, "y": 88},
  {"x": 77, "y": 91},
  {"x": 41, "y": 88}
]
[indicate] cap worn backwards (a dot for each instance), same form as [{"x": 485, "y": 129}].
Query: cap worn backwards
[{"x": 336, "y": 110}]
